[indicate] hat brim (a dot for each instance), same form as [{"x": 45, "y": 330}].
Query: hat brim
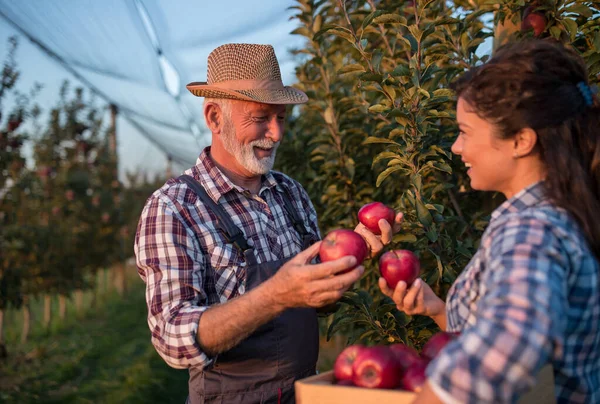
[{"x": 283, "y": 96}]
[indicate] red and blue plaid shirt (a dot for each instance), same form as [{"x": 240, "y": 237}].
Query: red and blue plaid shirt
[
  {"x": 177, "y": 241},
  {"x": 530, "y": 296}
]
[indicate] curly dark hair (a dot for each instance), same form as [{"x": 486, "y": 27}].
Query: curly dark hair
[{"x": 534, "y": 84}]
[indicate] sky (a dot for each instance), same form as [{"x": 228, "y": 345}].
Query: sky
[{"x": 190, "y": 34}]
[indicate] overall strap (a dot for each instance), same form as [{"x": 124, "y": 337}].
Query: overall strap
[
  {"x": 224, "y": 223},
  {"x": 297, "y": 221}
]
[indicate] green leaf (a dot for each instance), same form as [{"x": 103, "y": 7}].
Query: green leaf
[
  {"x": 352, "y": 68},
  {"x": 376, "y": 59},
  {"x": 423, "y": 214},
  {"x": 442, "y": 151},
  {"x": 389, "y": 19},
  {"x": 337, "y": 31},
  {"x": 432, "y": 234},
  {"x": 417, "y": 182},
  {"x": 385, "y": 155},
  {"x": 350, "y": 166},
  {"x": 580, "y": 9},
  {"x": 368, "y": 76},
  {"x": 555, "y": 32},
  {"x": 443, "y": 92},
  {"x": 401, "y": 70},
  {"x": 373, "y": 139},
  {"x": 370, "y": 17},
  {"x": 571, "y": 27},
  {"x": 378, "y": 108},
  {"x": 381, "y": 177},
  {"x": 404, "y": 238},
  {"x": 302, "y": 31}
]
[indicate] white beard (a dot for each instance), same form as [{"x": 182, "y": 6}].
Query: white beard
[{"x": 244, "y": 154}]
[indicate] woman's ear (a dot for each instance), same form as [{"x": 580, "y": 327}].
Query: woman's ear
[{"x": 525, "y": 142}]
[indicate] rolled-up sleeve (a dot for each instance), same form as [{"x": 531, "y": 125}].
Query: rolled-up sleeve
[
  {"x": 521, "y": 319},
  {"x": 171, "y": 264}
]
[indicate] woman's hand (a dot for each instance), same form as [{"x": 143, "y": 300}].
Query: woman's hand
[{"x": 417, "y": 299}]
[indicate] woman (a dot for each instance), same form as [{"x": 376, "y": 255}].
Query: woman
[{"x": 529, "y": 128}]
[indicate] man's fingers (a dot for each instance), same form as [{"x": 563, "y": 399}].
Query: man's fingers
[
  {"x": 326, "y": 269},
  {"x": 306, "y": 256},
  {"x": 398, "y": 222},
  {"x": 341, "y": 282}
]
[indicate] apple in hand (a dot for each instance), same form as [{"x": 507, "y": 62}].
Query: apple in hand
[
  {"x": 406, "y": 356},
  {"x": 341, "y": 243},
  {"x": 414, "y": 377},
  {"x": 370, "y": 215},
  {"x": 436, "y": 343},
  {"x": 399, "y": 265},
  {"x": 342, "y": 368},
  {"x": 376, "y": 367}
]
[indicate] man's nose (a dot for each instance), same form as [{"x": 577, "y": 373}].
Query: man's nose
[{"x": 275, "y": 132}]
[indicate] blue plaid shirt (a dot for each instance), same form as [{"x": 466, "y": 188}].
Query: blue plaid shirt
[{"x": 530, "y": 296}]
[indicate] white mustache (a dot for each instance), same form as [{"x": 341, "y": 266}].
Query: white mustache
[{"x": 264, "y": 143}]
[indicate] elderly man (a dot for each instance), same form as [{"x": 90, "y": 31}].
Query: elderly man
[{"x": 226, "y": 249}]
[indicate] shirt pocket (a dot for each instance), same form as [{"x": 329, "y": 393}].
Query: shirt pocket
[{"x": 229, "y": 271}]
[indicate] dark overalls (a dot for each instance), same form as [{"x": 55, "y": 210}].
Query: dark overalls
[{"x": 263, "y": 367}]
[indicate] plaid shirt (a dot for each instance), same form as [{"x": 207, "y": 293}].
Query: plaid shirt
[
  {"x": 177, "y": 241},
  {"x": 530, "y": 296}
]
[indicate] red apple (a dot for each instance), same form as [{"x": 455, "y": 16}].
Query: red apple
[
  {"x": 370, "y": 215},
  {"x": 341, "y": 243},
  {"x": 436, "y": 343},
  {"x": 533, "y": 21},
  {"x": 342, "y": 368},
  {"x": 399, "y": 265},
  {"x": 414, "y": 377},
  {"x": 406, "y": 356},
  {"x": 376, "y": 367}
]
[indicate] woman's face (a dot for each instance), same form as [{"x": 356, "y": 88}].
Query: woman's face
[{"x": 491, "y": 162}]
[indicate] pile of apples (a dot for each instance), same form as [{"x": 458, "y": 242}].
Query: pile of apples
[
  {"x": 395, "y": 366},
  {"x": 395, "y": 265}
]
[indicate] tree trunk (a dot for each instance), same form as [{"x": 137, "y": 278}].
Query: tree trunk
[
  {"x": 79, "y": 301},
  {"x": 26, "y": 320},
  {"x": 47, "y": 311},
  {"x": 120, "y": 280},
  {"x": 107, "y": 283},
  {"x": 3, "y": 353},
  {"x": 62, "y": 307}
]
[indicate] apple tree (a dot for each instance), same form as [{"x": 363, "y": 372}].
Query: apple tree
[{"x": 380, "y": 122}]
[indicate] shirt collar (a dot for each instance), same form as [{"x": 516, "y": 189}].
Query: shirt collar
[
  {"x": 527, "y": 197},
  {"x": 218, "y": 183}
]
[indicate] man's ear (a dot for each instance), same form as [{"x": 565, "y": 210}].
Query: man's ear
[
  {"x": 525, "y": 142},
  {"x": 213, "y": 116}
]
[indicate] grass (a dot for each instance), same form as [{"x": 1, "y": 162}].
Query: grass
[
  {"x": 105, "y": 357},
  {"x": 102, "y": 356}
]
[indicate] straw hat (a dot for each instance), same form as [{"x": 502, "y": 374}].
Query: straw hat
[{"x": 246, "y": 72}]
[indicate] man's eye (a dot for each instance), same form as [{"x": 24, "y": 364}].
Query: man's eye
[
  {"x": 260, "y": 118},
  {"x": 281, "y": 118}
]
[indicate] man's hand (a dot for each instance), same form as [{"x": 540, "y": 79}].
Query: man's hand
[
  {"x": 301, "y": 284},
  {"x": 376, "y": 243},
  {"x": 418, "y": 299}
]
